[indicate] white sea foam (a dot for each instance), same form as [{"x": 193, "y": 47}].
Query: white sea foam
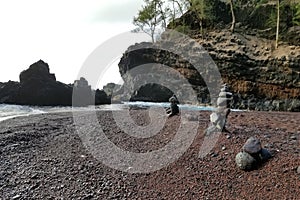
[{"x": 10, "y": 111}]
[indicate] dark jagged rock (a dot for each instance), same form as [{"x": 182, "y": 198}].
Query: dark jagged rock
[
  {"x": 8, "y": 91},
  {"x": 152, "y": 93},
  {"x": 155, "y": 60},
  {"x": 36, "y": 72},
  {"x": 101, "y": 97},
  {"x": 39, "y": 87}
]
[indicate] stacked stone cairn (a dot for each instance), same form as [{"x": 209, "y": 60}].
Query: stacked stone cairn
[
  {"x": 173, "y": 109},
  {"x": 219, "y": 116},
  {"x": 252, "y": 155}
]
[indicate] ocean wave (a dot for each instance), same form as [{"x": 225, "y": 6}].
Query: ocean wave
[{"x": 9, "y": 111}]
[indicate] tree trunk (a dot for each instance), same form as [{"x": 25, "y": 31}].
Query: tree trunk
[
  {"x": 164, "y": 22},
  {"x": 278, "y": 23},
  {"x": 201, "y": 28},
  {"x": 233, "y": 16}
]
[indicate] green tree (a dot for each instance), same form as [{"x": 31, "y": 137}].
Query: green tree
[
  {"x": 278, "y": 16},
  {"x": 202, "y": 9},
  {"x": 162, "y": 12},
  {"x": 274, "y": 19},
  {"x": 176, "y": 9},
  {"x": 149, "y": 18},
  {"x": 296, "y": 13}
]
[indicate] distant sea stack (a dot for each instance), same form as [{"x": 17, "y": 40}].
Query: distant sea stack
[{"x": 39, "y": 87}]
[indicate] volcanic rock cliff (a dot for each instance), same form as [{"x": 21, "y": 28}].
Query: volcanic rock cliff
[{"x": 260, "y": 76}]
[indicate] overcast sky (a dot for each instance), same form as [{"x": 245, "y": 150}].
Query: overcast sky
[{"x": 61, "y": 32}]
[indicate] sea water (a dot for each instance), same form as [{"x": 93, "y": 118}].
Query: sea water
[{"x": 10, "y": 111}]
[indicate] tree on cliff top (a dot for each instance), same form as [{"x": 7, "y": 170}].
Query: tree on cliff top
[
  {"x": 202, "y": 10},
  {"x": 150, "y": 17},
  {"x": 286, "y": 13},
  {"x": 176, "y": 9}
]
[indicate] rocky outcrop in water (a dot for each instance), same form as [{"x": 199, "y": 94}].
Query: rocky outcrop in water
[
  {"x": 82, "y": 93},
  {"x": 38, "y": 86},
  {"x": 101, "y": 97},
  {"x": 8, "y": 91}
]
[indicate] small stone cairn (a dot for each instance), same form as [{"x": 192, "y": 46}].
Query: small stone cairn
[
  {"x": 173, "y": 109},
  {"x": 219, "y": 116},
  {"x": 252, "y": 155}
]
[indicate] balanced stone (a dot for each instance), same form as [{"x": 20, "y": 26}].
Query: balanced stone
[
  {"x": 265, "y": 155},
  {"x": 214, "y": 117},
  {"x": 223, "y": 101},
  {"x": 220, "y": 114},
  {"x": 225, "y": 94},
  {"x": 224, "y": 90},
  {"x": 173, "y": 109},
  {"x": 252, "y": 146},
  {"x": 222, "y": 111},
  {"x": 245, "y": 161},
  {"x": 221, "y": 123}
]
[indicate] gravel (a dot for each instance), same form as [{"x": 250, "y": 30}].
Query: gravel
[{"x": 42, "y": 157}]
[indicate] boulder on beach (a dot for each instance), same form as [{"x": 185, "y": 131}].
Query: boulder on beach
[
  {"x": 245, "y": 161},
  {"x": 252, "y": 155}
]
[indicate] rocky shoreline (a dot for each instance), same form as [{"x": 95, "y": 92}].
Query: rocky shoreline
[
  {"x": 260, "y": 77},
  {"x": 42, "y": 157}
]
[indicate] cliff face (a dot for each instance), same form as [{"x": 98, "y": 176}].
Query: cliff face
[
  {"x": 261, "y": 77},
  {"x": 151, "y": 73}
]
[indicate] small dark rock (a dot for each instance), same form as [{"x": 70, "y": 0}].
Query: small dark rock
[
  {"x": 252, "y": 146},
  {"x": 293, "y": 137},
  {"x": 265, "y": 155}
]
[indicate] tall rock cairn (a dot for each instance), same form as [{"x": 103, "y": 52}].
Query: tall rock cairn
[{"x": 219, "y": 116}]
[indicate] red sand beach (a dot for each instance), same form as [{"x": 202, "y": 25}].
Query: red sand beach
[{"x": 42, "y": 157}]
